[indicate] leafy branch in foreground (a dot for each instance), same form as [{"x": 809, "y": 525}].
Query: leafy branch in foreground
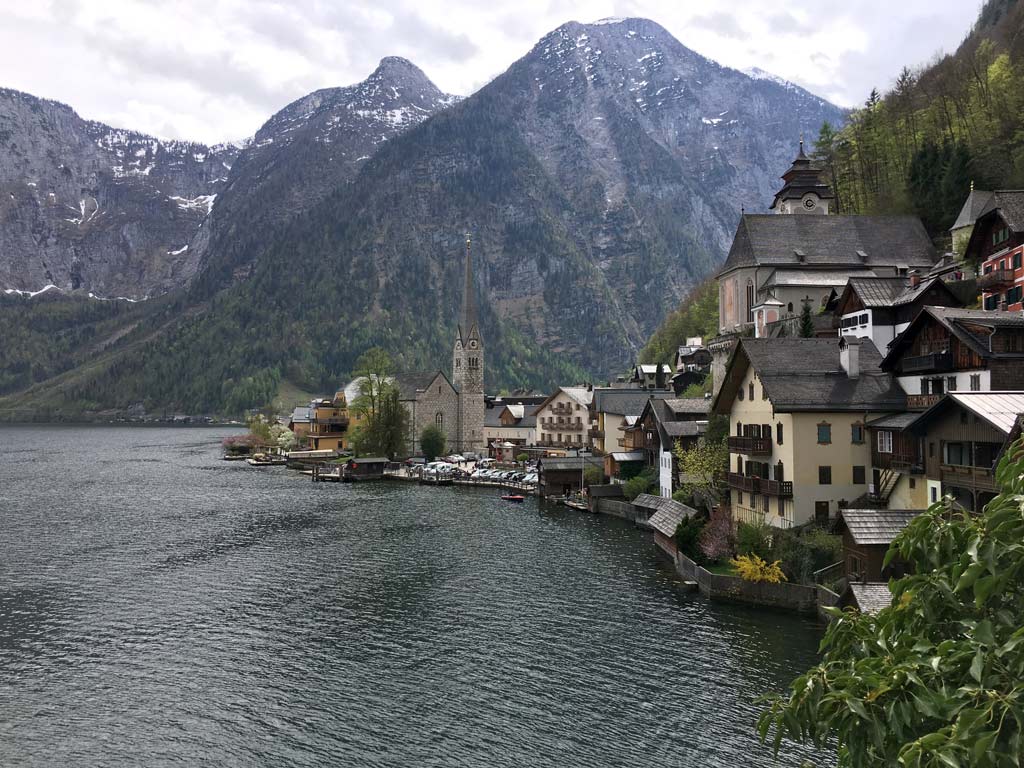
[{"x": 937, "y": 678}]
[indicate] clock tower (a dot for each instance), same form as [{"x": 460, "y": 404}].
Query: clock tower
[
  {"x": 468, "y": 366},
  {"x": 805, "y": 190}
]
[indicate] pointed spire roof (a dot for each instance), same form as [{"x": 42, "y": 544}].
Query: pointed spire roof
[
  {"x": 802, "y": 177},
  {"x": 467, "y": 320}
]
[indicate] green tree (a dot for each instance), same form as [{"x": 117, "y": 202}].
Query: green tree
[
  {"x": 703, "y": 467},
  {"x": 806, "y": 330},
  {"x": 638, "y": 484},
  {"x": 432, "y": 442},
  {"x": 385, "y": 427},
  {"x": 593, "y": 476},
  {"x": 937, "y": 678}
]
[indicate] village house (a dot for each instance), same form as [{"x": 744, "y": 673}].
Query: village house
[
  {"x": 613, "y": 410},
  {"x": 661, "y": 426},
  {"x": 651, "y": 376},
  {"x": 797, "y": 411},
  {"x": 996, "y": 244},
  {"x": 298, "y": 422},
  {"x": 328, "y": 424},
  {"x": 881, "y": 308},
  {"x": 563, "y": 420},
  {"x": 509, "y": 423},
  {"x": 692, "y": 365},
  {"x": 957, "y": 350},
  {"x": 867, "y": 534}
]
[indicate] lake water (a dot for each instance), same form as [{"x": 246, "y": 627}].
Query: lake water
[{"x": 161, "y": 607}]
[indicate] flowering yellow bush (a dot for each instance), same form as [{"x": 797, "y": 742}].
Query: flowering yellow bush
[{"x": 753, "y": 568}]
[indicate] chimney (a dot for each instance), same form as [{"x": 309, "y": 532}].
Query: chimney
[
  {"x": 849, "y": 356},
  {"x": 915, "y": 278}
]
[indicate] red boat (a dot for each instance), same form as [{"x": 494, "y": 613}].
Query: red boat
[{"x": 514, "y": 497}]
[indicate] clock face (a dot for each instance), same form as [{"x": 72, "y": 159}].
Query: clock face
[
  {"x": 809, "y": 203},
  {"x": 472, "y": 345}
]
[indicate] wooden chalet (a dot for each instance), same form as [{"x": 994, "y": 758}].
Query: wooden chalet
[
  {"x": 957, "y": 350},
  {"x": 867, "y": 534}
]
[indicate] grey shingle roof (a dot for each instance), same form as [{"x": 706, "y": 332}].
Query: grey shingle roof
[
  {"x": 417, "y": 381},
  {"x": 301, "y": 414},
  {"x": 871, "y": 597},
  {"x": 889, "y": 291},
  {"x": 685, "y": 428},
  {"x": 625, "y": 402},
  {"x": 1010, "y": 203},
  {"x": 876, "y": 526},
  {"x": 805, "y": 375},
  {"x": 793, "y": 276},
  {"x": 667, "y": 513},
  {"x": 679, "y": 405},
  {"x": 829, "y": 241},
  {"x": 977, "y": 203},
  {"x": 895, "y": 420},
  {"x": 569, "y": 463},
  {"x": 492, "y": 417}
]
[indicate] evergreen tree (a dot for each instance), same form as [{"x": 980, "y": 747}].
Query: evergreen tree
[
  {"x": 806, "y": 330},
  {"x": 432, "y": 442}
]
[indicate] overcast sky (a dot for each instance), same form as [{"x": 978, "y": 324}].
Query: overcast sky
[{"x": 215, "y": 70}]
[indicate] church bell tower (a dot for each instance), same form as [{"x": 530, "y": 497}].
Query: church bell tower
[
  {"x": 468, "y": 366},
  {"x": 805, "y": 190}
]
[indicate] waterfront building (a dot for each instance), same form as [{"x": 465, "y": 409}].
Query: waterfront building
[
  {"x": 563, "y": 419},
  {"x": 298, "y": 422},
  {"x": 328, "y": 423},
  {"x": 996, "y": 244},
  {"x": 509, "y": 422},
  {"x": 563, "y": 476},
  {"x": 797, "y": 412},
  {"x": 867, "y": 534},
  {"x": 613, "y": 410},
  {"x": 662, "y": 425}
]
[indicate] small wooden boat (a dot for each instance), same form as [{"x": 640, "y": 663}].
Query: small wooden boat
[
  {"x": 513, "y": 497},
  {"x": 266, "y": 460}
]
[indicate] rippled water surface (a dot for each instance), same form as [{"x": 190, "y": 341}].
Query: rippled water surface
[{"x": 159, "y": 606}]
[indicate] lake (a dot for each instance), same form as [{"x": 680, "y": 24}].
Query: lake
[{"x": 159, "y": 606}]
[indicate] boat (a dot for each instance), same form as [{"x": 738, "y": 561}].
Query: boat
[
  {"x": 265, "y": 460},
  {"x": 513, "y": 497}
]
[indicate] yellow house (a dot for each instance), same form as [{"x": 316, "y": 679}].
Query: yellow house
[
  {"x": 329, "y": 423},
  {"x": 797, "y": 408},
  {"x": 563, "y": 420}
]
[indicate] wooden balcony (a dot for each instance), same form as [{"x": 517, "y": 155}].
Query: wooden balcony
[
  {"x": 922, "y": 402},
  {"x": 967, "y": 477},
  {"x": 996, "y": 280},
  {"x": 898, "y": 462},
  {"x": 595, "y": 433},
  {"x": 936, "y": 362},
  {"x": 783, "y": 488},
  {"x": 751, "y": 446}
]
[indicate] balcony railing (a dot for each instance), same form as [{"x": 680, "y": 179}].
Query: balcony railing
[
  {"x": 782, "y": 488},
  {"x": 898, "y": 462},
  {"x": 599, "y": 433},
  {"x": 936, "y": 361},
  {"x": 922, "y": 402},
  {"x": 751, "y": 446},
  {"x": 330, "y": 420},
  {"x": 996, "y": 279}
]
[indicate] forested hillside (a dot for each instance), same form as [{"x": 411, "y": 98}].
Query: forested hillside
[{"x": 958, "y": 119}]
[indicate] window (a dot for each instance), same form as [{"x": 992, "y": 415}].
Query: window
[
  {"x": 884, "y": 441},
  {"x": 439, "y": 421},
  {"x": 821, "y": 511},
  {"x": 766, "y": 431},
  {"x": 778, "y": 433},
  {"x": 789, "y": 307},
  {"x": 951, "y": 383},
  {"x": 740, "y": 394},
  {"x": 739, "y": 497},
  {"x": 780, "y": 472},
  {"x": 824, "y": 433},
  {"x": 750, "y": 391},
  {"x": 458, "y": 362},
  {"x": 858, "y": 475},
  {"x": 924, "y": 386},
  {"x": 931, "y": 450},
  {"x": 739, "y": 465},
  {"x": 750, "y": 301},
  {"x": 913, "y": 483},
  {"x": 857, "y": 433},
  {"x": 782, "y": 501},
  {"x": 824, "y": 475},
  {"x": 1016, "y": 260},
  {"x": 975, "y": 382},
  {"x": 934, "y": 494}
]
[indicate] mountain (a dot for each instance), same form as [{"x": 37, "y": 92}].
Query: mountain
[
  {"x": 600, "y": 175},
  {"x": 307, "y": 150},
  {"x": 86, "y": 206}
]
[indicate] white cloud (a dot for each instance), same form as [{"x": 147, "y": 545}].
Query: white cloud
[{"x": 213, "y": 70}]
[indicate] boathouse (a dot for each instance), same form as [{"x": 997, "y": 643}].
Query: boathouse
[{"x": 364, "y": 468}]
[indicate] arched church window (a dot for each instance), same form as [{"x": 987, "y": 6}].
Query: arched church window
[
  {"x": 750, "y": 301},
  {"x": 439, "y": 420}
]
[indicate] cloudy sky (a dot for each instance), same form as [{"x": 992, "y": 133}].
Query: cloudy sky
[{"x": 215, "y": 70}]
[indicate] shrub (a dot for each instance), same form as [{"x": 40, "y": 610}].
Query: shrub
[
  {"x": 593, "y": 476},
  {"x": 753, "y": 568},
  {"x": 753, "y": 539},
  {"x": 801, "y": 554},
  {"x": 688, "y": 534},
  {"x": 683, "y": 497},
  {"x": 522, "y": 458},
  {"x": 432, "y": 442},
  {"x": 640, "y": 484}
]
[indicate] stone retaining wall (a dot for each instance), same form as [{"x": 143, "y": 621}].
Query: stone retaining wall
[{"x": 795, "y": 597}]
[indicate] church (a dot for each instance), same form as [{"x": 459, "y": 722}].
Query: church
[
  {"x": 804, "y": 251},
  {"x": 455, "y": 405}
]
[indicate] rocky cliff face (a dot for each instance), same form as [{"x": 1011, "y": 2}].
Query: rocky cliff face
[
  {"x": 307, "y": 150},
  {"x": 86, "y": 206}
]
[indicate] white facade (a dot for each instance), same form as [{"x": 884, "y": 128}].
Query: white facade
[
  {"x": 665, "y": 473},
  {"x": 809, "y": 203},
  {"x": 914, "y": 385},
  {"x": 861, "y": 325}
]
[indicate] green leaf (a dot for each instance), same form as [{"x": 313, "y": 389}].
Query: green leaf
[{"x": 978, "y": 665}]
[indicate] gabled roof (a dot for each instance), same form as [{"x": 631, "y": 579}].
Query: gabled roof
[
  {"x": 1008, "y": 204},
  {"x": 668, "y": 514},
  {"x": 410, "y": 384},
  {"x": 875, "y": 526},
  {"x": 806, "y": 375},
  {"x": 957, "y": 322},
  {"x": 871, "y": 597},
  {"x": 891, "y": 291},
  {"x": 829, "y": 242},
  {"x": 562, "y": 464},
  {"x": 681, "y": 405},
  {"x": 300, "y": 415},
  {"x": 977, "y": 203},
  {"x": 621, "y": 456},
  {"x": 1000, "y": 409},
  {"x": 622, "y": 401},
  {"x": 528, "y": 419}
]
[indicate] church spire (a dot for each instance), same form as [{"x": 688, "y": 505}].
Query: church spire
[{"x": 468, "y": 321}]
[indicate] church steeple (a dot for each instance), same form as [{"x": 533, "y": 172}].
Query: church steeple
[
  {"x": 805, "y": 189},
  {"x": 467, "y": 320}
]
